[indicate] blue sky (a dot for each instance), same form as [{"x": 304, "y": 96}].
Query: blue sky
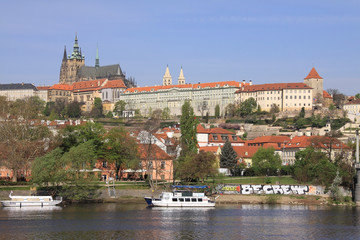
[{"x": 265, "y": 41}]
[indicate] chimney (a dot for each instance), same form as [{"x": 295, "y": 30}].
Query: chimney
[{"x": 250, "y": 82}]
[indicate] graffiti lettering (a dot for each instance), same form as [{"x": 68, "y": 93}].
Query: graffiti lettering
[{"x": 270, "y": 189}]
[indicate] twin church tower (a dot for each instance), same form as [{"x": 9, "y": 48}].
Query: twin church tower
[{"x": 167, "y": 79}]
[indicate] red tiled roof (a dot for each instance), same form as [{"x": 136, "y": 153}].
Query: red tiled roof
[
  {"x": 273, "y": 86},
  {"x": 115, "y": 84},
  {"x": 156, "y": 152},
  {"x": 88, "y": 85},
  {"x": 313, "y": 74},
  {"x": 270, "y": 139},
  {"x": 201, "y": 129},
  {"x": 212, "y": 149},
  {"x": 326, "y": 94},
  {"x": 316, "y": 142},
  {"x": 66, "y": 87},
  {"x": 245, "y": 151},
  {"x": 43, "y": 88},
  {"x": 193, "y": 86},
  {"x": 357, "y": 101}
]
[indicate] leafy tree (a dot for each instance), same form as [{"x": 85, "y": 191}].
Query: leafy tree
[
  {"x": 217, "y": 111},
  {"x": 20, "y": 143},
  {"x": 357, "y": 96},
  {"x": 300, "y": 123},
  {"x": 121, "y": 149},
  {"x": 165, "y": 113},
  {"x": 188, "y": 124},
  {"x": 53, "y": 115},
  {"x": 97, "y": 110},
  {"x": 338, "y": 97},
  {"x": 120, "y": 107},
  {"x": 313, "y": 166},
  {"x": 274, "y": 108},
  {"x": 197, "y": 167},
  {"x": 228, "y": 157},
  {"x": 265, "y": 160},
  {"x": 317, "y": 121},
  {"x": 109, "y": 115},
  {"x": 247, "y": 107},
  {"x": 73, "y": 110},
  {"x": 302, "y": 113}
]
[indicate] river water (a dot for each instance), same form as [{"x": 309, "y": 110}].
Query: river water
[{"x": 135, "y": 221}]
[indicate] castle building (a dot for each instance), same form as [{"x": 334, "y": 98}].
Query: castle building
[
  {"x": 314, "y": 81},
  {"x": 167, "y": 79},
  {"x": 181, "y": 78},
  {"x": 73, "y": 68}
]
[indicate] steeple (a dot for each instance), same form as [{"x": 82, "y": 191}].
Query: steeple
[
  {"x": 97, "y": 61},
  {"x": 76, "y": 54},
  {"x": 167, "y": 80},
  {"x": 313, "y": 74},
  {"x": 65, "y": 56},
  {"x": 181, "y": 79}
]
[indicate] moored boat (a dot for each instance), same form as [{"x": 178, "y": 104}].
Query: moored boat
[
  {"x": 181, "y": 198},
  {"x": 26, "y": 201}
]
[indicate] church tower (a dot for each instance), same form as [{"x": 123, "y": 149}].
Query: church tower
[
  {"x": 314, "y": 81},
  {"x": 167, "y": 80},
  {"x": 181, "y": 79},
  {"x": 70, "y": 65}
]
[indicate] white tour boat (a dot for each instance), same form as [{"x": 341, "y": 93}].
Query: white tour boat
[
  {"x": 25, "y": 201},
  {"x": 181, "y": 198}
]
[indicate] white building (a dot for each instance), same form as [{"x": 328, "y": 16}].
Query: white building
[
  {"x": 15, "y": 91},
  {"x": 287, "y": 96}
]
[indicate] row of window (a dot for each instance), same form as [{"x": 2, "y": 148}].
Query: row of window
[{"x": 187, "y": 199}]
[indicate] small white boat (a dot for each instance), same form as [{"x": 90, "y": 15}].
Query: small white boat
[
  {"x": 180, "y": 198},
  {"x": 26, "y": 201}
]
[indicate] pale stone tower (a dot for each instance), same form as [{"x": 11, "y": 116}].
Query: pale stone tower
[
  {"x": 71, "y": 64},
  {"x": 314, "y": 81},
  {"x": 181, "y": 79},
  {"x": 167, "y": 80}
]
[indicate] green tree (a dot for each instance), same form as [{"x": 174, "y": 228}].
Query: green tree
[
  {"x": 314, "y": 166},
  {"x": 217, "y": 111},
  {"x": 120, "y": 107},
  {"x": 228, "y": 156},
  {"x": 97, "y": 110},
  {"x": 230, "y": 110},
  {"x": 247, "y": 107},
  {"x": 165, "y": 113},
  {"x": 300, "y": 123},
  {"x": 318, "y": 121},
  {"x": 274, "y": 108},
  {"x": 357, "y": 96},
  {"x": 302, "y": 113},
  {"x": 73, "y": 110},
  {"x": 265, "y": 160},
  {"x": 197, "y": 167},
  {"x": 120, "y": 148},
  {"x": 188, "y": 124}
]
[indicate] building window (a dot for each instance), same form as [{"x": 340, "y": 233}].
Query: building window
[
  {"x": 162, "y": 164},
  {"x": 104, "y": 164}
]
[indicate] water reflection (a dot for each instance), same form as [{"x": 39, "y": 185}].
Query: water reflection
[{"x": 135, "y": 221}]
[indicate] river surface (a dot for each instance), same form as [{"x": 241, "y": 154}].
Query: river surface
[{"x": 135, "y": 221}]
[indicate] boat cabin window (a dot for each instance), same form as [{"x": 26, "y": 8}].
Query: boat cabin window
[
  {"x": 199, "y": 199},
  {"x": 187, "y": 199},
  {"x": 193, "y": 199},
  {"x": 174, "y": 199},
  {"x": 181, "y": 199}
]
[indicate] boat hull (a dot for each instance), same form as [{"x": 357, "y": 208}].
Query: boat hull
[
  {"x": 158, "y": 203},
  {"x": 29, "y": 203}
]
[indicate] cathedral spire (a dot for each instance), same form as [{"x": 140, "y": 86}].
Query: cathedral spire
[
  {"x": 167, "y": 80},
  {"x": 181, "y": 79},
  {"x": 97, "y": 60},
  {"x": 65, "y": 56},
  {"x": 76, "y": 54}
]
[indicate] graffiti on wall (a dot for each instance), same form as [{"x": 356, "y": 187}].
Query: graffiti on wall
[{"x": 270, "y": 189}]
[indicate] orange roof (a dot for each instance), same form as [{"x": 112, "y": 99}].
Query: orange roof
[
  {"x": 43, "y": 88},
  {"x": 270, "y": 139},
  {"x": 273, "y": 86},
  {"x": 88, "y": 85},
  {"x": 192, "y": 86},
  {"x": 316, "y": 142},
  {"x": 245, "y": 151},
  {"x": 156, "y": 152},
  {"x": 115, "y": 84},
  {"x": 357, "y": 101},
  {"x": 66, "y": 87},
  {"x": 313, "y": 74},
  {"x": 201, "y": 129},
  {"x": 212, "y": 149},
  {"x": 326, "y": 94}
]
